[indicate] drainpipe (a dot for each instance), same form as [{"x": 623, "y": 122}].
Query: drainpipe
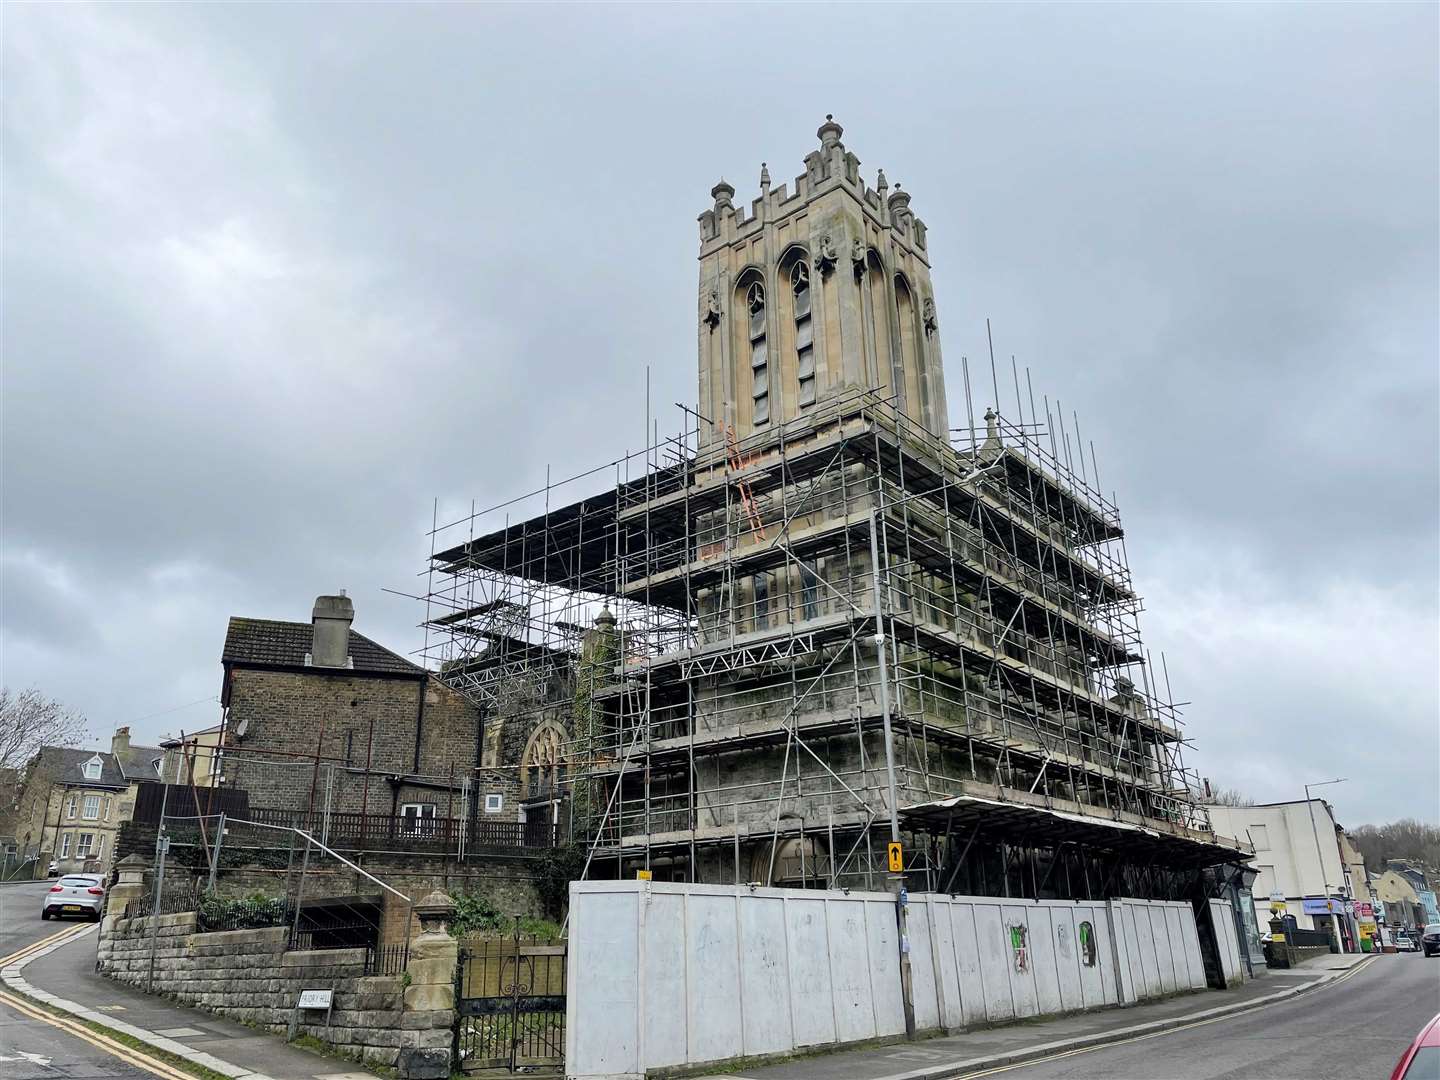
[{"x": 420, "y": 722}]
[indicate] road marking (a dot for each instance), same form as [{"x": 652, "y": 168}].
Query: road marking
[
  {"x": 178, "y": 1033},
  {"x": 34, "y": 1059},
  {"x": 94, "y": 1038},
  {"x": 1133, "y": 1039},
  {"x": 36, "y": 946}
]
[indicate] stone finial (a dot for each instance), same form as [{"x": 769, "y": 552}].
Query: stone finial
[
  {"x": 899, "y": 200},
  {"x": 992, "y": 427},
  {"x": 723, "y": 193},
  {"x": 764, "y": 178},
  {"x": 435, "y": 913},
  {"x": 606, "y": 618},
  {"x": 881, "y": 184},
  {"x": 829, "y": 132}
]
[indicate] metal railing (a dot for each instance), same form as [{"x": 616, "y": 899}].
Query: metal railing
[
  {"x": 367, "y": 831},
  {"x": 387, "y": 959}
]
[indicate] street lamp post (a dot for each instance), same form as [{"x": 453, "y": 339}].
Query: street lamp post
[{"x": 1315, "y": 830}]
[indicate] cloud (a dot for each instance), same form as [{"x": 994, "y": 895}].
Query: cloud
[
  {"x": 1292, "y": 686},
  {"x": 276, "y": 284}
]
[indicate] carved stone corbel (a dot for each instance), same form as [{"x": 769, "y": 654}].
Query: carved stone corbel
[
  {"x": 711, "y": 318},
  {"x": 928, "y": 313},
  {"x": 857, "y": 257},
  {"x": 826, "y": 256}
]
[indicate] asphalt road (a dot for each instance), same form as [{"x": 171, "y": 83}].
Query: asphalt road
[
  {"x": 31, "y": 1049},
  {"x": 1354, "y": 1030}
]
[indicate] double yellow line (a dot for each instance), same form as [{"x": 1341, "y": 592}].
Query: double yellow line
[
  {"x": 37, "y": 946},
  {"x": 74, "y": 1027}
]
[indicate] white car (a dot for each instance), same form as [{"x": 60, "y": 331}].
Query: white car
[
  {"x": 74, "y": 894},
  {"x": 1405, "y": 942}
]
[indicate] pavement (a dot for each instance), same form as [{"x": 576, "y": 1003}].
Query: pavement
[
  {"x": 63, "y": 976},
  {"x": 1183, "y": 1038}
]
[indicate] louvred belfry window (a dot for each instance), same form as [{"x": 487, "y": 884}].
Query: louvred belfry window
[
  {"x": 804, "y": 334},
  {"x": 759, "y": 354}
]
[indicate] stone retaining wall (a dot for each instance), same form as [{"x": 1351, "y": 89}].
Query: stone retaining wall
[{"x": 249, "y": 976}]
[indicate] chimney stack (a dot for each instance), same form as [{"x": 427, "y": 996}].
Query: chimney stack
[
  {"x": 120, "y": 741},
  {"x": 331, "y": 619}
]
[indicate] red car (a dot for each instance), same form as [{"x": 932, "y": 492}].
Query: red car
[{"x": 1422, "y": 1060}]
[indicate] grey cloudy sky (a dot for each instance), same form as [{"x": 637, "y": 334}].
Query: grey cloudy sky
[{"x": 277, "y": 277}]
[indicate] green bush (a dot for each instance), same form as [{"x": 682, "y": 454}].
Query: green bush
[
  {"x": 554, "y": 871},
  {"x": 477, "y": 914},
  {"x": 251, "y": 912}
]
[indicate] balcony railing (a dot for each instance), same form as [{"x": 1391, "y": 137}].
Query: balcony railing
[{"x": 374, "y": 831}]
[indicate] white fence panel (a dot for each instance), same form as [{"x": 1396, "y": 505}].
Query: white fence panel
[
  {"x": 980, "y": 974},
  {"x": 666, "y": 974},
  {"x": 1160, "y": 946},
  {"x": 1222, "y": 917}
]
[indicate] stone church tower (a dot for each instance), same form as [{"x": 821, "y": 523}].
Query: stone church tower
[{"x": 814, "y": 294}]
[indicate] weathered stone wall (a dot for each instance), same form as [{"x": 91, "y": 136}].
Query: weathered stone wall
[{"x": 249, "y": 976}]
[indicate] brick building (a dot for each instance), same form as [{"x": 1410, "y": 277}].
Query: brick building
[
  {"x": 72, "y": 802},
  {"x": 318, "y": 716},
  {"x": 325, "y": 730}
]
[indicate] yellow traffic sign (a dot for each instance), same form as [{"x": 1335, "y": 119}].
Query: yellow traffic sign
[
  {"x": 642, "y": 875},
  {"x": 897, "y": 858}
]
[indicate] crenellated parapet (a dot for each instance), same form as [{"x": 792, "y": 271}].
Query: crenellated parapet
[
  {"x": 812, "y": 291},
  {"x": 828, "y": 168}
]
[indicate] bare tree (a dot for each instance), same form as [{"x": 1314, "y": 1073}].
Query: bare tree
[
  {"x": 1408, "y": 839},
  {"x": 30, "y": 720},
  {"x": 1227, "y": 796}
]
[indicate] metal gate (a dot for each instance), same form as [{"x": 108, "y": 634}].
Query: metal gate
[{"x": 510, "y": 1006}]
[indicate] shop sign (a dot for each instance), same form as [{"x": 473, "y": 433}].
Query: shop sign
[{"x": 1320, "y": 907}]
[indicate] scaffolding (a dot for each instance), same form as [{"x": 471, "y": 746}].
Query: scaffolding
[{"x": 703, "y": 624}]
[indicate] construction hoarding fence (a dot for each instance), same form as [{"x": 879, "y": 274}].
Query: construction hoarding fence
[{"x": 667, "y": 975}]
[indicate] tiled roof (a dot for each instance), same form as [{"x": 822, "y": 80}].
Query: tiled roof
[
  {"x": 67, "y": 766},
  {"x": 138, "y": 763},
  {"x": 273, "y": 643}
]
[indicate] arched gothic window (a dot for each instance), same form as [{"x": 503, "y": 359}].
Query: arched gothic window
[
  {"x": 543, "y": 767},
  {"x": 759, "y": 354},
  {"x": 911, "y": 370},
  {"x": 804, "y": 334}
]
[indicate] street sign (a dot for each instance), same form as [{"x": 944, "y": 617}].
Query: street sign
[
  {"x": 897, "y": 858},
  {"x": 642, "y": 875},
  {"x": 315, "y": 999}
]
